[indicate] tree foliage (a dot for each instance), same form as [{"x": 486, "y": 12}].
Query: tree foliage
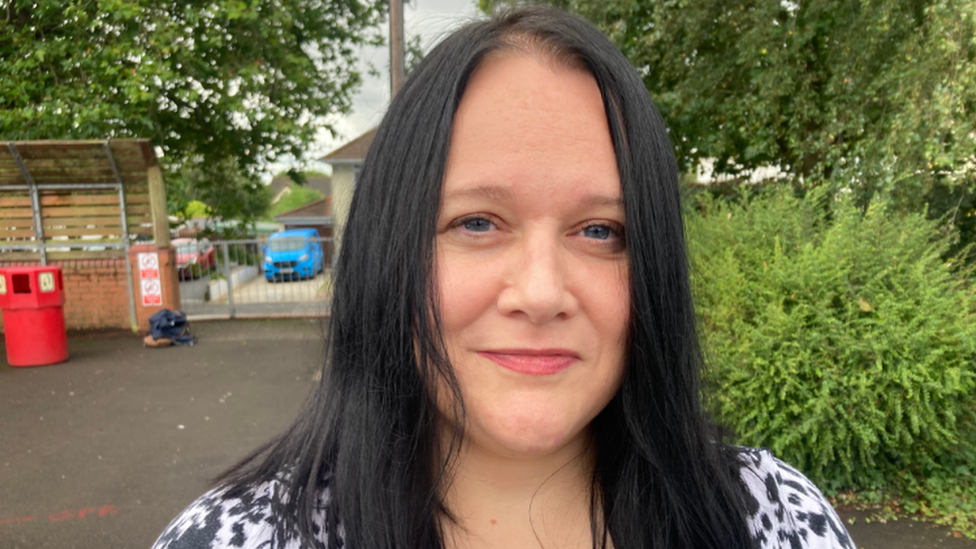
[
  {"x": 414, "y": 53},
  {"x": 226, "y": 191},
  {"x": 879, "y": 93},
  {"x": 245, "y": 80},
  {"x": 195, "y": 208}
]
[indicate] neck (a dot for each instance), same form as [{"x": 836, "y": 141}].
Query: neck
[{"x": 502, "y": 500}]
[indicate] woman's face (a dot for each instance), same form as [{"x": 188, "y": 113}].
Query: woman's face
[{"x": 531, "y": 262}]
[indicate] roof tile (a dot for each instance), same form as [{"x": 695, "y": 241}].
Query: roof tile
[{"x": 353, "y": 150}]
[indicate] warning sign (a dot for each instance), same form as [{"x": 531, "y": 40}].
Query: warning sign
[
  {"x": 149, "y": 266},
  {"x": 152, "y": 295},
  {"x": 152, "y": 290}
]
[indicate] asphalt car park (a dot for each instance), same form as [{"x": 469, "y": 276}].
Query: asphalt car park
[{"x": 104, "y": 450}]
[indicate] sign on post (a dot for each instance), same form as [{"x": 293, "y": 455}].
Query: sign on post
[
  {"x": 149, "y": 266},
  {"x": 152, "y": 290},
  {"x": 152, "y": 295}
]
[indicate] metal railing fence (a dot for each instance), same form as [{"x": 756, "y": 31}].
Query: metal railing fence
[{"x": 244, "y": 279}]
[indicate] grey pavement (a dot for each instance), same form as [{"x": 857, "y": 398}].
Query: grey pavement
[
  {"x": 104, "y": 450},
  {"x": 259, "y": 290}
]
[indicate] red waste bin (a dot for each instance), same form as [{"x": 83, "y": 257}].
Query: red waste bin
[{"x": 32, "y": 299}]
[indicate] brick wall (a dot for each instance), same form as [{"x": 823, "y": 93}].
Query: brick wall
[{"x": 95, "y": 293}]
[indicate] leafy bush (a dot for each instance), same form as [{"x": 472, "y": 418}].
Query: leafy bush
[
  {"x": 839, "y": 339},
  {"x": 243, "y": 255}
]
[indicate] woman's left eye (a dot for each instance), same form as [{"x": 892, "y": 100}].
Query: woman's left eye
[{"x": 603, "y": 232}]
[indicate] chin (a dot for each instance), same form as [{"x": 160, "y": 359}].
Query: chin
[{"x": 522, "y": 435}]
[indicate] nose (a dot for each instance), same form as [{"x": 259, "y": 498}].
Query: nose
[{"x": 537, "y": 279}]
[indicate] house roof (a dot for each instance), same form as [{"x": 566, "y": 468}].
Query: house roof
[
  {"x": 321, "y": 207},
  {"x": 321, "y": 183},
  {"x": 353, "y": 151},
  {"x": 279, "y": 183},
  {"x": 313, "y": 213}
]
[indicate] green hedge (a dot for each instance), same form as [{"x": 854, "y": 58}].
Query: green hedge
[{"x": 840, "y": 339}]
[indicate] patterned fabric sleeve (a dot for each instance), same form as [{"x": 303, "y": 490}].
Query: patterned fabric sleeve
[
  {"x": 786, "y": 510},
  {"x": 251, "y": 521}
]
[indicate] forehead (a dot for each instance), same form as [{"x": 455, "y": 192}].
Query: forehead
[{"x": 524, "y": 119}]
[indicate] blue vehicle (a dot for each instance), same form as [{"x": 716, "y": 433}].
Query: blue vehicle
[{"x": 293, "y": 254}]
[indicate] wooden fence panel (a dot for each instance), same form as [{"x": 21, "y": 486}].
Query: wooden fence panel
[
  {"x": 16, "y": 223},
  {"x": 80, "y": 211},
  {"x": 15, "y": 233},
  {"x": 108, "y": 233},
  {"x": 92, "y": 222},
  {"x": 82, "y": 218}
]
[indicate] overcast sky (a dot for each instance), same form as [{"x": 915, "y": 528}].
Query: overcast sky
[{"x": 432, "y": 20}]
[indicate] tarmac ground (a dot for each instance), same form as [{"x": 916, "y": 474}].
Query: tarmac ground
[{"x": 104, "y": 450}]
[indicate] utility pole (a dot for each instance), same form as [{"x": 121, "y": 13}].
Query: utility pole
[{"x": 396, "y": 47}]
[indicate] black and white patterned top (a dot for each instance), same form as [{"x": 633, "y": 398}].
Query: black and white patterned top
[{"x": 786, "y": 511}]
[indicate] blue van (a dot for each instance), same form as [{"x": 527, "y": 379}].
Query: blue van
[{"x": 294, "y": 253}]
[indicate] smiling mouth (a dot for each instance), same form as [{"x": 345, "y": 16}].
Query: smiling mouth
[{"x": 531, "y": 362}]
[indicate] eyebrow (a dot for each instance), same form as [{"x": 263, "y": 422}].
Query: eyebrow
[
  {"x": 497, "y": 192},
  {"x": 494, "y": 192},
  {"x": 603, "y": 200}
]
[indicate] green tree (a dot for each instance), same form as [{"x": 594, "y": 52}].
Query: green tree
[
  {"x": 195, "y": 208},
  {"x": 881, "y": 94},
  {"x": 215, "y": 79},
  {"x": 414, "y": 53},
  {"x": 226, "y": 191}
]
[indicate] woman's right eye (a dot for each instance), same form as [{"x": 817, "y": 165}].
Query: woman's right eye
[{"x": 476, "y": 224}]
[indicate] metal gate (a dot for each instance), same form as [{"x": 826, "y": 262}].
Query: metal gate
[{"x": 246, "y": 279}]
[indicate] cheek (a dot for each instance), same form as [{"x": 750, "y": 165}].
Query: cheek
[
  {"x": 611, "y": 319},
  {"x": 621, "y": 301},
  {"x": 608, "y": 303},
  {"x": 466, "y": 291}
]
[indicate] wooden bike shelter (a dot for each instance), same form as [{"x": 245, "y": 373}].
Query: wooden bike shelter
[{"x": 80, "y": 199}]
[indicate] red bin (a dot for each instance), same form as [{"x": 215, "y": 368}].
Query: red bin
[{"x": 32, "y": 299}]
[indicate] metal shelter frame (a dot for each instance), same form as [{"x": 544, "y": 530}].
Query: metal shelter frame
[{"x": 39, "y": 244}]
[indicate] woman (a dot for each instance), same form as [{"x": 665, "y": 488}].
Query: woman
[{"x": 513, "y": 357}]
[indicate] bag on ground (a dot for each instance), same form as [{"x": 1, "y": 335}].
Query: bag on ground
[{"x": 171, "y": 325}]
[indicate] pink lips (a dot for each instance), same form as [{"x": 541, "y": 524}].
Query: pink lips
[{"x": 541, "y": 362}]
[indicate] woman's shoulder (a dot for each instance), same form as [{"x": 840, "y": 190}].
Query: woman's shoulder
[
  {"x": 247, "y": 518},
  {"x": 786, "y": 510}
]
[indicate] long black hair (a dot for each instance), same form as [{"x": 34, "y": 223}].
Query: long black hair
[{"x": 368, "y": 433}]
